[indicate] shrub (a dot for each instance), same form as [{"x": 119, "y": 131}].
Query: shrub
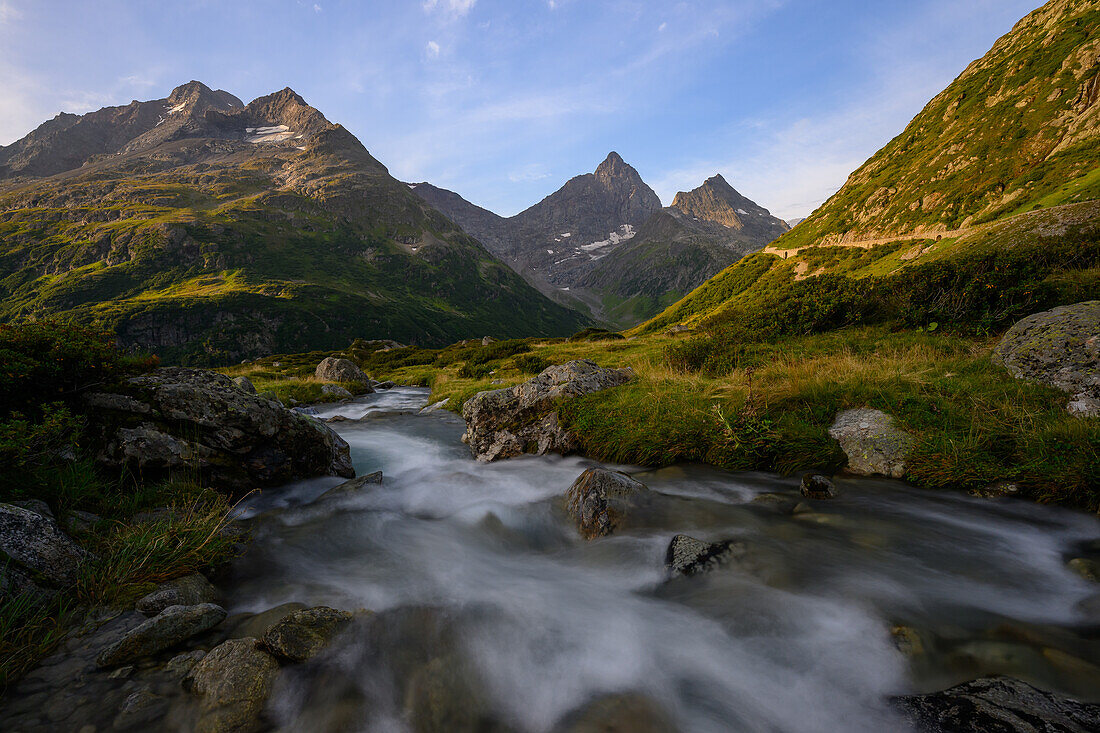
[{"x": 531, "y": 363}]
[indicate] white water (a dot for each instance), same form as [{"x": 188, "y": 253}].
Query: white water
[{"x": 798, "y": 642}]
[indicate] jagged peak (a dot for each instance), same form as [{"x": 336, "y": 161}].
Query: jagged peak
[
  {"x": 613, "y": 166},
  {"x": 201, "y": 97},
  {"x": 186, "y": 90}
]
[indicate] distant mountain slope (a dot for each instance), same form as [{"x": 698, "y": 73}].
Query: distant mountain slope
[
  {"x": 584, "y": 244},
  {"x": 1007, "y": 156},
  {"x": 679, "y": 247},
  {"x": 210, "y": 231},
  {"x": 1017, "y": 129}
]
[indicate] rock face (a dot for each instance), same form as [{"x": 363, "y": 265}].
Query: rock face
[
  {"x": 998, "y": 704},
  {"x": 334, "y": 369},
  {"x": 244, "y": 384},
  {"x": 304, "y": 633},
  {"x": 521, "y": 419},
  {"x": 1061, "y": 348},
  {"x": 171, "y": 626},
  {"x": 873, "y": 444},
  {"x": 335, "y": 392},
  {"x": 689, "y": 556},
  {"x": 36, "y": 542},
  {"x": 189, "y": 590},
  {"x": 176, "y": 419},
  {"x": 233, "y": 681},
  {"x": 600, "y": 501}
]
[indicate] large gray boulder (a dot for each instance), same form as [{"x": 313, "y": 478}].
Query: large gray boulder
[
  {"x": 1061, "y": 348},
  {"x": 1000, "y": 704},
  {"x": 875, "y": 446},
  {"x": 200, "y": 422},
  {"x": 335, "y": 369},
  {"x": 509, "y": 422},
  {"x": 600, "y": 500},
  {"x": 171, "y": 626},
  {"x": 36, "y": 543},
  {"x": 233, "y": 682}
]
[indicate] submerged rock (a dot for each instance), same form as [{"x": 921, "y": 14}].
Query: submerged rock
[
  {"x": 600, "y": 500},
  {"x": 334, "y": 369},
  {"x": 302, "y": 634},
  {"x": 171, "y": 626},
  {"x": 37, "y": 543},
  {"x": 233, "y": 682},
  {"x": 817, "y": 486},
  {"x": 189, "y": 590},
  {"x": 444, "y": 696},
  {"x": 874, "y": 445},
  {"x": 197, "y": 421},
  {"x": 689, "y": 556},
  {"x": 1000, "y": 704},
  {"x": 621, "y": 713},
  {"x": 353, "y": 486},
  {"x": 1061, "y": 348},
  {"x": 509, "y": 422},
  {"x": 997, "y": 490}
]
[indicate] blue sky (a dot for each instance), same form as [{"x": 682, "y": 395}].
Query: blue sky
[{"x": 504, "y": 100}]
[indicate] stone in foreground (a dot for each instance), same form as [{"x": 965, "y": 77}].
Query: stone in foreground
[
  {"x": 233, "y": 682},
  {"x": 1061, "y": 348},
  {"x": 689, "y": 556},
  {"x": 522, "y": 419},
  {"x": 600, "y": 501},
  {"x": 171, "y": 626},
  {"x": 874, "y": 445},
  {"x": 353, "y": 486},
  {"x": 200, "y": 422},
  {"x": 37, "y": 543},
  {"x": 1000, "y": 704},
  {"x": 190, "y": 590},
  {"x": 817, "y": 486},
  {"x": 304, "y": 633}
]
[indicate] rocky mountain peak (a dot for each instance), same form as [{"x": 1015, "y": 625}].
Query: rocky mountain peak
[
  {"x": 285, "y": 108},
  {"x": 717, "y": 201},
  {"x": 200, "y": 97},
  {"x": 615, "y": 168}
]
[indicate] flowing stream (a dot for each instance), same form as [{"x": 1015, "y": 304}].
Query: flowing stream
[{"x": 885, "y": 590}]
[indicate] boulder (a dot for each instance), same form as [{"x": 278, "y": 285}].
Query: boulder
[
  {"x": 689, "y": 556},
  {"x": 522, "y": 419},
  {"x": 336, "y": 392},
  {"x": 302, "y": 634},
  {"x": 233, "y": 682},
  {"x": 1061, "y": 348},
  {"x": 190, "y": 590},
  {"x": 999, "y": 704},
  {"x": 486, "y": 340},
  {"x": 1085, "y": 567},
  {"x": 620, "y": 713},
  {"x": 817, "y": 486},
  {"x": 997, "y": 490},
  {"x": 600, "y": 500},
  {"x": 874, "y": 445},
  {"x": 197, "y": 421},
  {"x": 244, "y": 384},
  {"x": 386, "y": 385},
  {"x": 37, "y": 506},
  {"x": 171, "y": 626},
  {"x": 140, "y": 710},
  {"x": 335, "y": 369},
  {"x": 37, "y": 543},
  {"x": 353, "y": 486}
]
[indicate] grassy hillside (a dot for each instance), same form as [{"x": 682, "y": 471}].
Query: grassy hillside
[{"x": 1019, "y": 129}]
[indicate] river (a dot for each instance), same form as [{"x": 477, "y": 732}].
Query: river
[{"x": 885, "y": 590}]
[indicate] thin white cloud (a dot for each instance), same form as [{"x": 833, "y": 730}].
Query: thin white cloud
[
  {"x": 454, "y": 7},
  {"x": 8, "y": 12},
  {"x": 531, "y": 172},
  {"x": 317, "y": 7},
  {"x": 662, "y": 26},
  {"x": 432, "y": 49}
]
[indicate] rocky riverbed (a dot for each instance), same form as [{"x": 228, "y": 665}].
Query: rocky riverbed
[{"x": 535, "y": 594}]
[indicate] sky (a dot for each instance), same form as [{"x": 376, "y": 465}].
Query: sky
[{"x": 505, "y": 100}]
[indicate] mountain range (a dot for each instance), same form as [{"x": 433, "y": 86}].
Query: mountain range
[
  {"x": 208, "y": 231},
  {"x": 603, "y": 242}
]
